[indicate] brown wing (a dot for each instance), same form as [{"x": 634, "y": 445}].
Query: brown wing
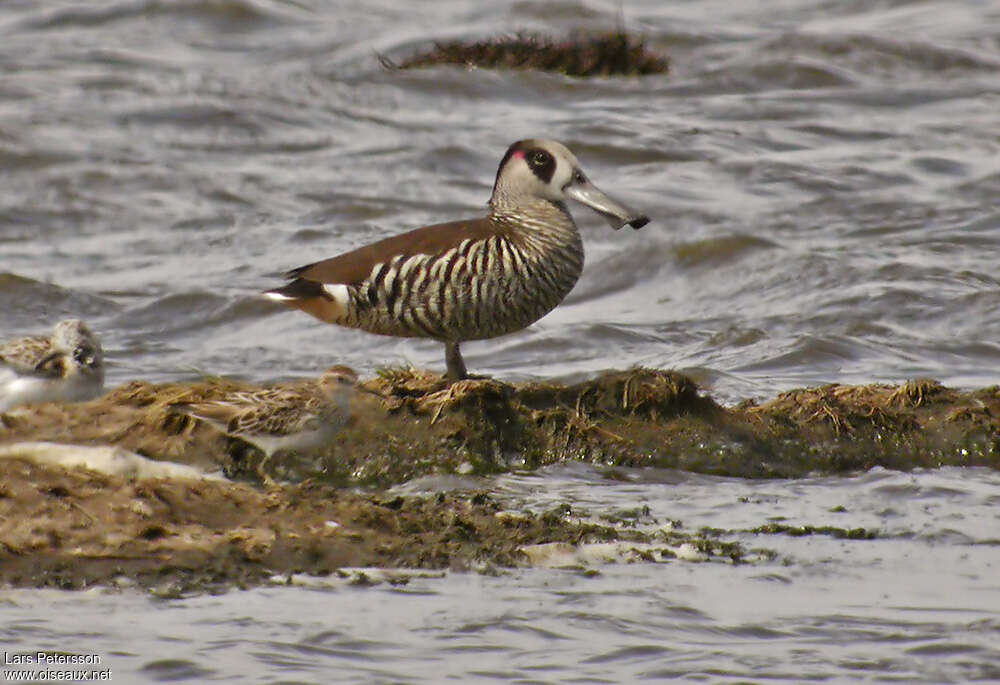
[
  {"x": 354, "y": 267},
  {"x": 24, "y": 354},
  {"x": 272, "y": 411}
]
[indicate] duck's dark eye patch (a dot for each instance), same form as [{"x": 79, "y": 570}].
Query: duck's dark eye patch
[{"x": 542, "y": 163}]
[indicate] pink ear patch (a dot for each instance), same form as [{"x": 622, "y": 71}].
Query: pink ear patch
[{"x": 519, "y": 154}]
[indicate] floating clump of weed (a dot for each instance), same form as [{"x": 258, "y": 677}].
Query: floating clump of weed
[
  {"x": 610, "y": 54},
  {"x": 802, "y": 531}
]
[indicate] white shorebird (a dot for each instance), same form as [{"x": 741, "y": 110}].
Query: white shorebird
[
  {"x": 67, "y": 366},
  {"x": 288, "y": 418}
]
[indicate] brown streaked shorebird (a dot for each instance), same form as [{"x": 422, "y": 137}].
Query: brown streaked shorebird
[
  {"x": 294, "y": 418},
  {"x": 467, "y": 280},
  {"x": 67, "y": 366}
]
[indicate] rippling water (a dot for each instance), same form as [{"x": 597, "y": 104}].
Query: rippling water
[{"x": 823, "y": 181}]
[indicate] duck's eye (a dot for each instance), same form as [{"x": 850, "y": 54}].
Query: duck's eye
[
  {"x": 539, "y": 158},
  {"x": 578, "y": 177}
]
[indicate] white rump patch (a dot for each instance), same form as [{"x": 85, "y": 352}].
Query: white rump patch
[
  {"x": 338, "y": 291},
  {"x": 277, "y": 297}
]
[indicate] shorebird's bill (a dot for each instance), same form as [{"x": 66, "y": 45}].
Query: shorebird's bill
[{"x": 369, "y": 391}]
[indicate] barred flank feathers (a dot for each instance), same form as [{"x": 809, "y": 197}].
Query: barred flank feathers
[{"x": 479, "y": 288}]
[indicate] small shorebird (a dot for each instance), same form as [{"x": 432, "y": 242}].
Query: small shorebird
[
  {"x": 295, "y": 418},
  {"x": 467, "y": 280},
  {"x": 67, "y": 366}
]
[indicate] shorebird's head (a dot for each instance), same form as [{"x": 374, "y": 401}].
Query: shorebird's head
[
  {"x": 544, "y": 169},
  {"x": 338, "y": 379},
  {"x": 340, "y": 382},
  {"x": 72, "y": 339}
]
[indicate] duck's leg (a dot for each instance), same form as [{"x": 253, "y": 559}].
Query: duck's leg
[{"x": 453, "y": 358}]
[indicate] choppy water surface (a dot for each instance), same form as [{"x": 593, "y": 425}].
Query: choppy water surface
[
  {"x": 822, "y": 178},
  {"x": 823, "y": 181}
]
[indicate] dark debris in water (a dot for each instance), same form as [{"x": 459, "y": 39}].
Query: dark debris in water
[{"x": 609, "y": 54}]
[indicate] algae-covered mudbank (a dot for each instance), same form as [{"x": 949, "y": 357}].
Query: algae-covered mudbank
[
  {"x": 645, "y": 417},
  {"x": 62, "y": 523},
  {"x": 418, "y": 424},
  {"x": 72, "y": 528}
]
